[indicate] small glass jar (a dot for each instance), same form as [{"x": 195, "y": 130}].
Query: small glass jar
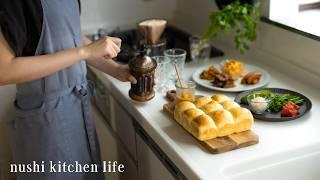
[
  {"x": 258, "y": 104},
  {"x": 186, "y": 92},
  {"x": 200, "y": 49}
]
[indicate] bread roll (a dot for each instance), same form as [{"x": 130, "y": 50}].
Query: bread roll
[
  {"x": 180, "y": 108},
  {"x": 190, "y": 114},
  {"x": 224, "y": 121},
  {"x": 203, "y": 128},
  {"x": 207, "y": 119},
  {"x": 202, "y": 101},
  {"x": 243, "y": 119},
  {"x": 227, "y": 105},
  {"x": 211, "y": 106},
  {"x": 220, "y": 98}
]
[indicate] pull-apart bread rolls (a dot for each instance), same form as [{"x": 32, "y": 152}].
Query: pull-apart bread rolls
[
  {"x": 242, "y": 118},
  {"x": 188, "y": 116},
  {"x": 208, "y": 118},
  {"x": 227, "y": 105},
  {"x": 203, "y": 128},
  {"x": 220, "y": 98},
  {"x": 195, "y": 121},
  {"x": 202, "y": 101},
  {"x": 224, "y": 121},
  {"x": 211, "y": 106},
  {"x": 180, "y": 108}
]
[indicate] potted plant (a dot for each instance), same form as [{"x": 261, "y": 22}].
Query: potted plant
[{"x": 241, "y": 15}]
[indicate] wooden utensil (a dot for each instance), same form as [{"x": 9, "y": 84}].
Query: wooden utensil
[{"x": 178, "y": 75}]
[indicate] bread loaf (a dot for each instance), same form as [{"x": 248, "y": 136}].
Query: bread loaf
[
  {"x": 224, "y": 121},
  {"x": 202, "y": 101},
  {"x": 229, "y": 105},
  {"x": 203, "y": 128},
  {"x": 220, "y": 98},
  {"x": 243, "y": 119},
  {"x": 206, "y": 118},
  {"x": 212, "y": 106},
  {"x": 189, "y": 115},
  {"x": 181, "y": 107}
]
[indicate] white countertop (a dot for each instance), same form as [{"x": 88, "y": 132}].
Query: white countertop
[{"x": 280, "y": 142}]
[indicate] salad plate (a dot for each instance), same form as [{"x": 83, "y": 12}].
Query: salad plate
[{"x": 275, "y": 109}]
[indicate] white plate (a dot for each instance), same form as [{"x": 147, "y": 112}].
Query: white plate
[{"x": 239, "y": 87}]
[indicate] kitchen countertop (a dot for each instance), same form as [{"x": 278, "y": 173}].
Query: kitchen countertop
[{"x": 280, "y": 142}]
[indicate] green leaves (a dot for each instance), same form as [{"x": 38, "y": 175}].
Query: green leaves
[
  {"x": 243, "y": 17},
  {"x": 278, "y": 100}
]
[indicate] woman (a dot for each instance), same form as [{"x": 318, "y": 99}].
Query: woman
[{"x": 41, "y": 50}]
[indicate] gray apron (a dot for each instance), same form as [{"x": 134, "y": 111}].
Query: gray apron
[{"x": 52, "y": 120}]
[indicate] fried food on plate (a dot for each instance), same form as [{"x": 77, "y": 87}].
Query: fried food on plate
[
  {"x": 251, "y": 78},
  {"x": 233, "y": 68}
]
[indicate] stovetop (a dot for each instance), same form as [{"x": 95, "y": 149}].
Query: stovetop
[{"x": 132, "y": 39}]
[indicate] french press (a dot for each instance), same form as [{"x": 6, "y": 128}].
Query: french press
[{"x": 142, "y": 67}]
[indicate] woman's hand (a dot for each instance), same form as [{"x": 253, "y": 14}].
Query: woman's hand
[
  {"x": 122, "y": 73},
  {"x": 104, "y": 62},
  {"x": 107, "y": 47}
]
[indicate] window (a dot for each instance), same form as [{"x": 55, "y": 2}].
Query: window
[{"x": 301, "y": 15}]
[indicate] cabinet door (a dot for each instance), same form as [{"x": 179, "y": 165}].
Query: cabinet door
[
  {"x": 112, "y": 150},
  {"x": 149, "y": 166},
  {"x": 122, "y": 124}
]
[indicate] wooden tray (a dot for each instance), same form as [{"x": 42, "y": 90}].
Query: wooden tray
[{"x": 219, "y": 144}]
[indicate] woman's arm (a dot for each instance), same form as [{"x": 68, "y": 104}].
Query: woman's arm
[
  {"x": 23, "y": 69},
  {"x": 109, "y": 66}
]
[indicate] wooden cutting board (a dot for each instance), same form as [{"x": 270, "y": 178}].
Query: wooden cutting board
[{"x": 219, "y": 144}]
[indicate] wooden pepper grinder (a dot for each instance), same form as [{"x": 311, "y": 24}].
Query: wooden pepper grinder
[{"x": 142, "y": 67}]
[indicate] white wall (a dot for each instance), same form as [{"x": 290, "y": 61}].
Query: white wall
[
  {"x": 7, "y": 94},
  {"x": 291, "y": 52},
  {"x": 114, "y": 13},
  {"x": 193, "y": 16}
]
